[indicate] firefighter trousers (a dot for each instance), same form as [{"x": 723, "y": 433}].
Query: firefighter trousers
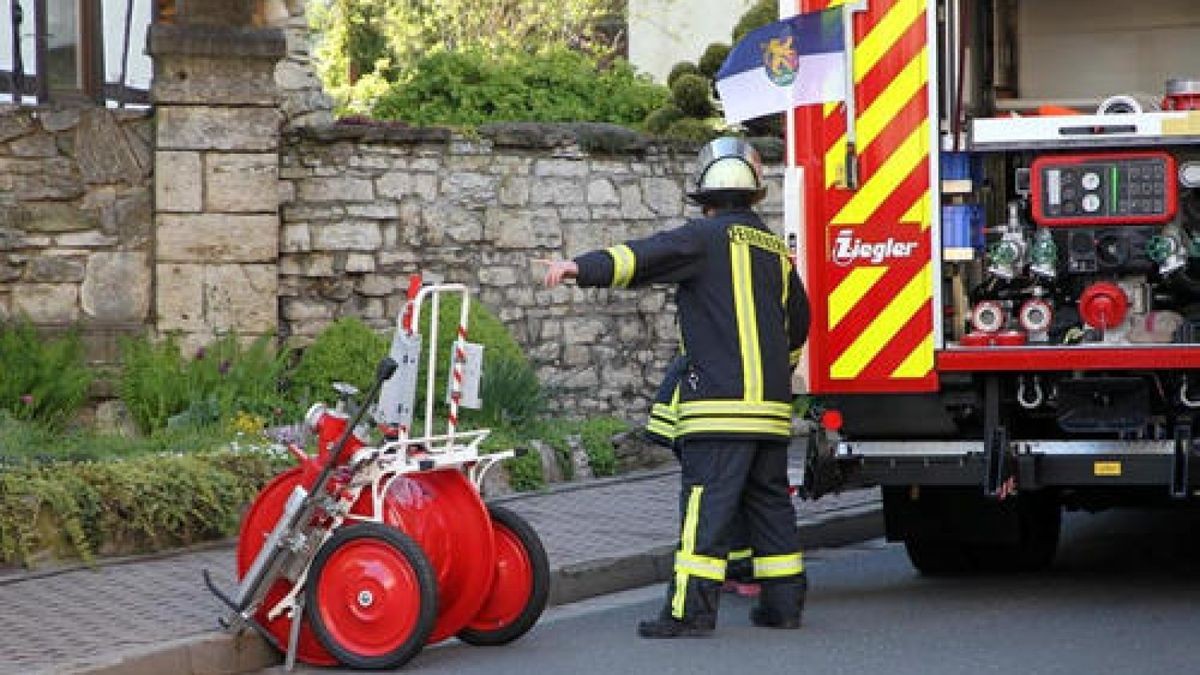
[{"x": 721, "y": 478}]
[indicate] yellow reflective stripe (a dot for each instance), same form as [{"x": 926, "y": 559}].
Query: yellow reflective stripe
[
  {"x": 851, "y": 291},
  {"x": 687, "y": 545},
  {"x": 665, "y": 411},
  {"x": 734, "y": 425},
  {"x": 747, "y": 322},
  {"x": 661, "y": 428},
  {"x": 734, "y": 407},
  {"x": 741, "y": 554},
  {"x": 876, "y": 44},
  {"x": 835, "y": 162},
  {"x": 898, "y": 312},
  {"x": 775, "y": 566},
  {"x": 623, "y": 265},
  {"x": 917, "y": 364},
  {"x": 895, "y": 170},
  {"x": 919, "y": 213},
  {"x": 884, "y": 109},
  {"x": 694, "y": 565},
  {"x": 794, "y": 356}
]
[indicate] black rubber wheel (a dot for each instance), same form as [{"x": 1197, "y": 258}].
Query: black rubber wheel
[
  {"x": 1039, "y": 521},
  {"x": 371, "y": 596},
  {"x": 938, "y": 556},
  {"x": 521, "y": 586}
]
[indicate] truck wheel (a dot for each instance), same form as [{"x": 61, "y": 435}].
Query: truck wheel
[
  {"x": 938, "y": 556},
  {"x": 1039, "y": 520},
  {"x": 519, "y": 589},
  {"x": 371, "y": 596}
]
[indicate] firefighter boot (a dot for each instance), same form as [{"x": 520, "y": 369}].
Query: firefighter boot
[
  {"x": 781, "y": 603},
  {"x": 700, "y": 619}
]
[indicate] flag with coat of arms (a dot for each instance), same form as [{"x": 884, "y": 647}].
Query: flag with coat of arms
[{"x": 800, "y": 60}]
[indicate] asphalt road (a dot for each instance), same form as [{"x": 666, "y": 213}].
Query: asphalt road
[{"x": 1123, "y": 597}]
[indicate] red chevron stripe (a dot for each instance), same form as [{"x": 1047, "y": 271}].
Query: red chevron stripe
[{"x": 901, "y": 345}]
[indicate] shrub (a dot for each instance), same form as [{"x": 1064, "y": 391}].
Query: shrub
[
  {"x": 472, "y": 87},
  {"x": 661, "y": 119},
  {"x": 691, "y": 129},
  {"x": 44, "y": 379},
  {"x": 161, "y": 388},
  {"x": 346, "y": 351},
  {"x": 712, "y": 59},
  {"x": 597, "y": 438},
  {"x": 680, "y": 69},
  {"x": 75, "y": 510},
  {"x": 693, "y": 95},
  {"x": 761, "y": 14},
  {"x": 512, "y": 394}
]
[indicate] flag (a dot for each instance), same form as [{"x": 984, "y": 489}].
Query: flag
[{"x": 798, "y": 61}]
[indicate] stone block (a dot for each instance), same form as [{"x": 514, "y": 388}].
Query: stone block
[
  {"x": 217, "y": 238},
  {"x": 178, "y": 181},
  {"x": 243, "y": 298},
  {"x": 205, "y": 128},
  {"x": 560, "y": 168},
  {"x": 471, "y": 189},
  {"x": 514, "y": 190},
  {"x": 357, "y": 263},
  {"x": 336, "y": 189},
  {"x": 103, "y": 151},
  {"x": 182, "y": 79},
  {"x": 55, "y": 217},
  {"x": 241, "y": 183},
  {"x": 179, "y": 297},
  {"x": 37, "y": 179},
  {"x": 55, "y": 269},
  {"x": 57, "y": 120},
  {"x": 295, "y": 239},
  {"x": 46, "y": 303},
  {"x": 600, "y": 191},
  {"x": 362, "y": 235},
  {"x": 117, "y": 286},
  {"x": 93, "y": 239},
  {"x": 400, "y": 184},
  {"x": 37, "y": 145},
  {"x": 15, "y": 123},
  {"x": 563, "y": 191},
  {"x": 663, "y": 196}
]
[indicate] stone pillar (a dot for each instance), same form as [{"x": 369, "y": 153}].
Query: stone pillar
[{"x": 216, "y": 182}]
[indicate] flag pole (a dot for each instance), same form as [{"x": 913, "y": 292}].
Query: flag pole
[{"x": 793, "y": 175}]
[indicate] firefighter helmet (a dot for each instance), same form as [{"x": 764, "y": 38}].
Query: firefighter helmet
[{"x": 728, "y": 173}]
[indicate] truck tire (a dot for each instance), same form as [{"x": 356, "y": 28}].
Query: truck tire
[
  {"x": 938, "y": 556},
  {"x": 1039, "y": 521}
]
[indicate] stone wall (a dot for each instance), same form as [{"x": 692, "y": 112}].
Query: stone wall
[
  {"x": 75, "y": 220},
  {"x": 364, "y": 207}
]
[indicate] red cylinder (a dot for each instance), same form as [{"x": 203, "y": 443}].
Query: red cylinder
[
  {"x": 1182, "y": 95},
  {"x": 1011, "y": 338},
  {"x": 1103, "y": 305}
]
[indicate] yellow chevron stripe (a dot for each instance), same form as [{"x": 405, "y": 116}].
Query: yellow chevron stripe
[
  {"x": 884, "y": 109},
  {"x": 884, "y": 35},
  {"x": 918, "y": 213},
  {"x": 887, "y": 178},
  {"x": 917, "y": 364},
  {"x": 866, "y": 54},
  {"x": 872, "y": 340},
  {"x": 852, "y": 289},
  {"x": 747, "y": 320}
]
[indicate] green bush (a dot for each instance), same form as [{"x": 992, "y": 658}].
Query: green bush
[
  {"x": 511, "y": 392},
  {"x": 693, "y": 95},
  {"x": 691, "y": 129},
  {"x": 597, "y": 438},
  {"x": 761, "y": 14},
  {"x": 661, "y": 119},
  {"x": 161, "y": 388},
  {"x": 23, "y": 443},
  {"x": 712, "y": 59},
  {"x": 473, "y": 87},
  {"x": 348, "y": 350},
  {"x": 43, "y": 379},
  {"x": 679, "y": 70},
  {"x": 76, "y": 510}
]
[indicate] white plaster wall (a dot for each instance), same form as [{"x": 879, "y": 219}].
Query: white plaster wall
[
  {"x": 665, "y": 32},
  {"x": 1072, "y": 49}
]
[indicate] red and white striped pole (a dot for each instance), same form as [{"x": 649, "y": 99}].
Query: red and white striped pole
[{"x": 457, "y": 368}]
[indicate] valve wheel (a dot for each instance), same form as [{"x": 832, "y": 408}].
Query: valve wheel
[
  {"x": 520, "y": 587},
  {"x": 371, "y": 596}
]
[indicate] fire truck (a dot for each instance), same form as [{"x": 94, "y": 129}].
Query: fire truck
[{"x": 999, "y": 231}]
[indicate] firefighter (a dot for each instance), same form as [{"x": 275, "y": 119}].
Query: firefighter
[{"x": 743, "y": 318}]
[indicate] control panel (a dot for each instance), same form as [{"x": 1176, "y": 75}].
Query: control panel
[{"x": 1104, "y": 189}]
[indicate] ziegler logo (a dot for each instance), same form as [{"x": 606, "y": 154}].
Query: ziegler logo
[{"x": 848, "y": 248}]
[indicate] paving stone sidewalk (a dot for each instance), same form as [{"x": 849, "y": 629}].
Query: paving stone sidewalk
[{"x": 154, "y": 615}]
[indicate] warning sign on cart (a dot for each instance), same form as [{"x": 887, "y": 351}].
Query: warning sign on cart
[
  {"x": 472, "y": 371},
  {"x": 398, "y": 393}
]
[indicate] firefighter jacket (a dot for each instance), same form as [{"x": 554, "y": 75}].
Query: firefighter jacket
[
  {"x": 743, "y": 317},
  {"x": 664, "y": 411}
]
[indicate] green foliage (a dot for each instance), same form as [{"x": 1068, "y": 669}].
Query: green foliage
[
  {"x": 692, "y": 129},
  {"x": 693, "y": 95},
  {"x": 43, "y": 379},
  {"x": 712, "y": 59},
  {"x": 148, "y": 503},
  {"x": 512, "y": 394},
  {"x": 679, "y": 70},
  {"x": 597, "y": 438},
  {"x": 161, "y": 388},
  {"x": 761, "y": 14},
  {"x": 359, "y": 38},
  {"x": 24, "y": 442},
  {"x": 346, "y": 351},
  {"x": 470, "y": 87},
  {"x": 658, "y": 121}
]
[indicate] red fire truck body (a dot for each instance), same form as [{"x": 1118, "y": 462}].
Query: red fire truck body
[{"x": 1002, "y": 249}]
